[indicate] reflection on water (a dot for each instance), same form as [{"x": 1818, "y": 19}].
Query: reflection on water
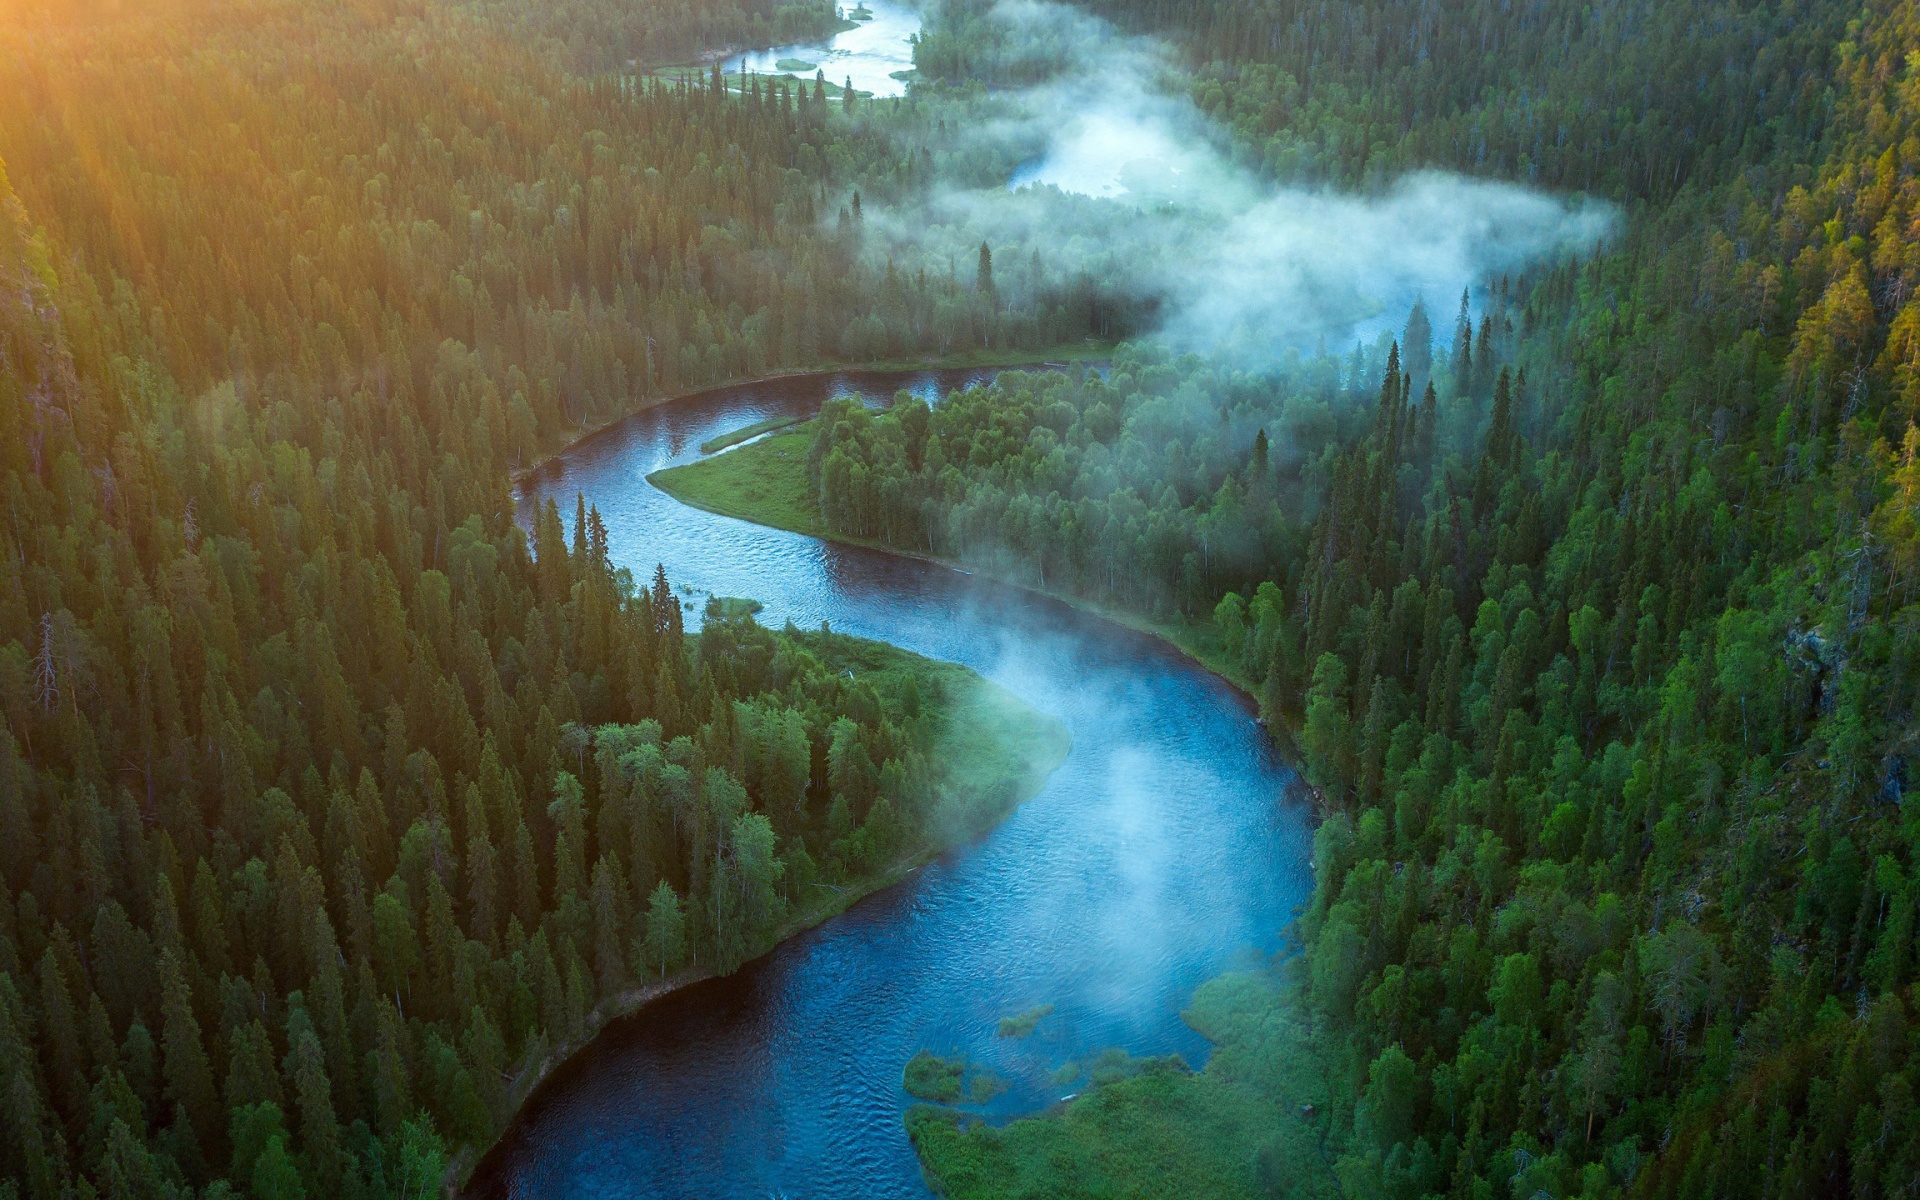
[
  {"x": 870, "y": 54},
  {"x": 1160, "y": 854}
]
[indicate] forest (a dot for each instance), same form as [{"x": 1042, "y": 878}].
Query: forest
[
  {"x": 335, "y": 803},
  {"x": 336, "y": 798},
  {"x": 1588, "y": 608}
]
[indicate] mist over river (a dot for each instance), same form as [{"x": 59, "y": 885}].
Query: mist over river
[{"x": 1163, "y": 852}]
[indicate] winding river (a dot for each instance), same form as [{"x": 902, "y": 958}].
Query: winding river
[{"x": 1164, "y": 851}]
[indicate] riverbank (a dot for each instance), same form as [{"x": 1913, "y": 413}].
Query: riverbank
[
  {"x": 765, "y": 482},
  {"x": 981, "y": 359},
  {"x": 997, "y": 752}
]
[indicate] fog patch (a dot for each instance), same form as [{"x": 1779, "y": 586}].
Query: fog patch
[
  {"x": 1114, "y": 175},
  {"x": 1145, "y": 900}
]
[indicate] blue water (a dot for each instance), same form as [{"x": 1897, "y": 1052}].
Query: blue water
[{"x": 1164, "y": 851}]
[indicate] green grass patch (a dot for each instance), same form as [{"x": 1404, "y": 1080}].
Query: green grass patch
[
  {"x": 1150, "y": 1128},
  {"x": 745, "y": 433},
  {"x": 734, "y": 607},
  {"x": 765, "y": 482},
  {"x": 1021, "y": 1024},
  {"x": 942, "y": 1080},
  {"x": 930, "y": 1077},
  {"x": 794, "y": 64}
]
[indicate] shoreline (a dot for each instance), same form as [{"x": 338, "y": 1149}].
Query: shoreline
[
  {"x": 466, "y": 1160},
  {"x": 1283, "y": 737},
  {"x": 1131, "y": 621},
  {"x": 1056, "y": 356}
]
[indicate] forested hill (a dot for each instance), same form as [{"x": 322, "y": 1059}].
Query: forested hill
[
  {"x": 333, "y": 802},
  {"x": 1594, "y": 610},
  {"x": 328, "y": 795},
  {"x": 392, "y": 198},
  {"x": 1635, "y": 100}
]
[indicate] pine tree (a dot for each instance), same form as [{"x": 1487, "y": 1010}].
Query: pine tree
[
  {"x": 313, "y": 1097},
  {"x": 189, "y": 1075},
  {"x": 666, "y": 930}
]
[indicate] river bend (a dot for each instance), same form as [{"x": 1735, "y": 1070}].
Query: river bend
[{"x": 1161, "y": 853}]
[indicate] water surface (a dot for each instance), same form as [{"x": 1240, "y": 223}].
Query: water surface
[
  {"x": 871, "y": 53},
  {"x": 1161, "y": 853}
]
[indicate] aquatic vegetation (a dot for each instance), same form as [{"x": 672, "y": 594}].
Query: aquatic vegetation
[
  {"x": 1150, "y": 1127},
  {"x": 954, "y": 1080},
  {"x": 1021, "y": 1025},
  {"x": 928, "y": 1076}
]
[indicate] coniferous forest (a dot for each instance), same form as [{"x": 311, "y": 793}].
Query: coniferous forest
[{"x": 339, "y": 797}]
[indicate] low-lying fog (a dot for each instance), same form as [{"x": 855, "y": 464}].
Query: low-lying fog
[{"x": 1122, "y": 178}]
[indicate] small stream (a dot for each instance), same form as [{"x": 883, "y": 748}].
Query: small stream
[{"x": 1163, "y": 852}]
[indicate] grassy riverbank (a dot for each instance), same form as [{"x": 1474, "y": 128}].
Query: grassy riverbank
[
  {"x": 766, "y": 483},
  {"x": 747, "y": 433}
]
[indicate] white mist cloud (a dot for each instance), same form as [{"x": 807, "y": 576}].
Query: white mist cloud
[
  {"x": 1122, "y": 178},
  {"x": 1315, "y": 262}
]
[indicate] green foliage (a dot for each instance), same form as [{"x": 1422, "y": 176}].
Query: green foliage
[
  {"x": 931, "y": 1077},
  {"x": 328, "y": 795},
  {"x": 1598, "y": 635},
  {"x": 1021, "y": 1024},
  {"x": 928, "y": 1076},
  {"x": 1150, "y": 1128},
  {"x": 331, "y": 799},
  {"x": 1637, "y": 100}
]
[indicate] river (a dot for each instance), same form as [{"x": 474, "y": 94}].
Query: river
[
  {"x": 875, "y": 53},
  {"x": 1164, "y": 851}
]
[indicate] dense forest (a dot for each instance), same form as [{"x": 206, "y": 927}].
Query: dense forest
[
  {"x": 328, "y": 812},
  {"x": 287, "y": 197},
  {"x": 333, "y": 801},
  {"x": 1591, "y": 605}
]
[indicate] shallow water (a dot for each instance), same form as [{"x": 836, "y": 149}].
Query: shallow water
[
  {"x": 1161, "y": 853},
  {"x": 869, "y": 54}
]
